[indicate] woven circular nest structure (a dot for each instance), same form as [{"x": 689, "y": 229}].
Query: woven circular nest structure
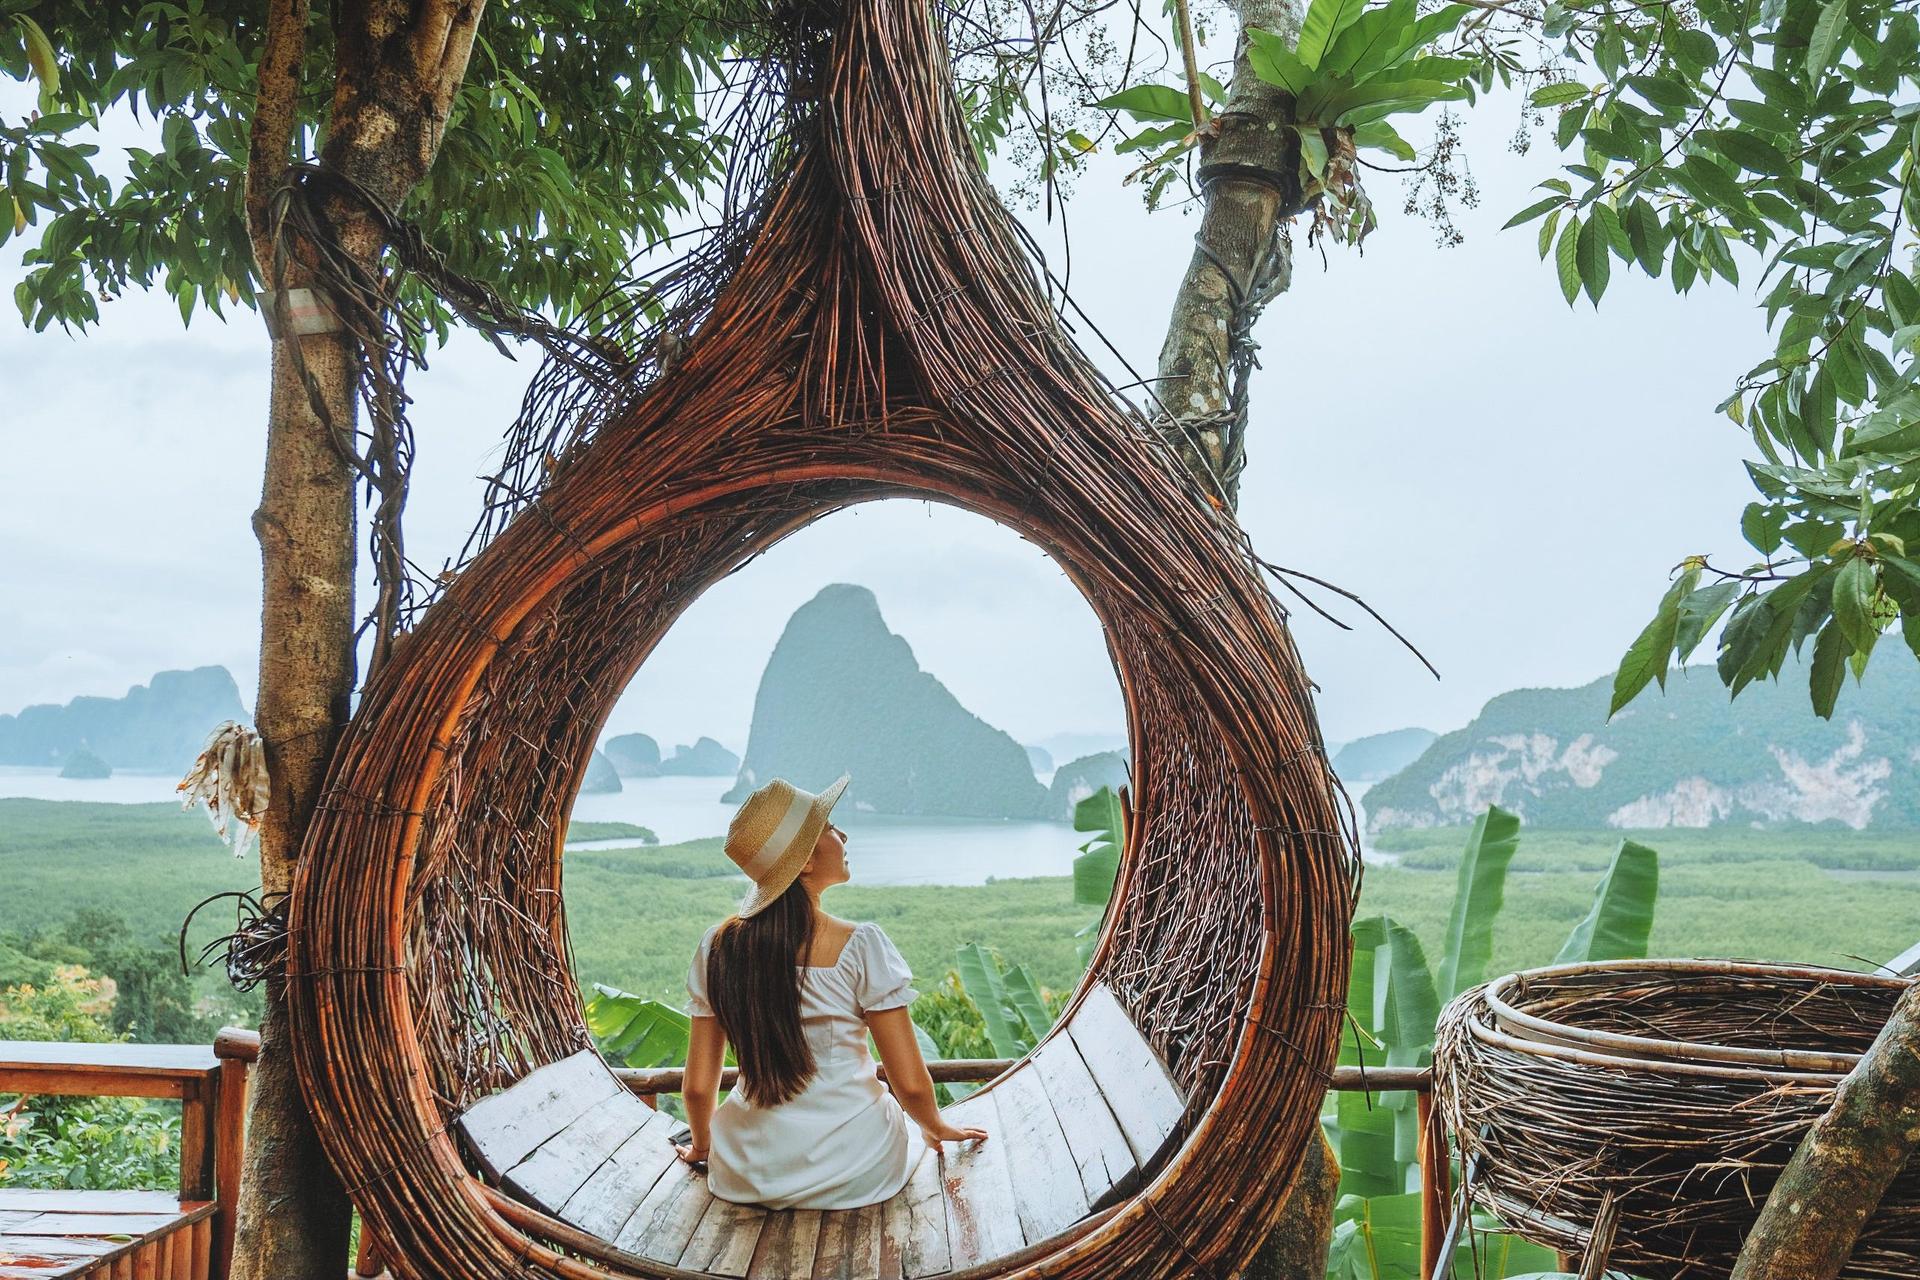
[
  {"x": 1680, "y": 1087},
  {"x": 882, "y": 334}
]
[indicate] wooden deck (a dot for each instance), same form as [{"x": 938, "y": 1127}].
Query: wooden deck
[
  {"x": 183, "y": 1234},
  {"x": 107, "y": 1235},
  {"x": 1072, "y": 1130}
]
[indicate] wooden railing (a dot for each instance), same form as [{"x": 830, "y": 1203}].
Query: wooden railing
[
  {"x": 211, "y": 1084},
  {"x": 211, "y": 1089}
]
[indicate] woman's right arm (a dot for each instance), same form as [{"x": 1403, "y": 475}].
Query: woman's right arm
[
  {"x": 907, "y": 1076},
  {"x": 700, "y": 1091}
]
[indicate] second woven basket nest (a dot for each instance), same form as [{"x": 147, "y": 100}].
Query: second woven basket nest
[{"x": 1681, "y": 1087}]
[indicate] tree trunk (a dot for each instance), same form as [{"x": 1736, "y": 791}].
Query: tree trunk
[
  {"x": 1242, "y": 259},
  {"x": 293, "y": 1216},
  {"x": 398, "y": 67},
  {"x": 1807, "y": 1228}
]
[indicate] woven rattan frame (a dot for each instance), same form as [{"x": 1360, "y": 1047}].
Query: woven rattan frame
[
  {"x": 883, "y": 336},
  {"x": 1680, "y": 1088}
]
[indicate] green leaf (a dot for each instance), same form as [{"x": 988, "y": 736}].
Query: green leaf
[
  {"x": 1150, "y": 102},
  {"x": 1325, "y": 20},
  {"x": 1275, "y": 63},
  {"x": 1614, "y": 236},
  {"x": 1566, "y": 259},
  {"x": 980, "y": 976},
  {"x": 1556, "y": 95},
  {"x": 1406, "y": 1004},
  {"x": 1761, "y": 524},
  {"x": 1381, "y": 136},
  {"x": 1648, "y": 238},
  {"x": 1373, "y": 43},
  {"x": 1326, "y": 102},
  {"x": 1698, "y": 612},
  {"x": 1095, "y": 869},
  {"x": 1745, "y": 632},
  {"x": 1825, "y": 39},
  {"x": 1591, "y": 251},
  {"x": 1620, "y": 921},
  {"x": 1313, "y": 152},
  {"x": 1533, "y": 211},
  {"x": 1025, "y": 997},
  {"x": 40, "y": 57},
  {"x": 1750, "y": 151},
  {"x": 1828, "y": 670},
  {"x": 1646, "y": 657},
  {"x": 637, "y": 1031},
  {"x": 1667, "y": 95},
  {"x": 1479, "y": 888},
  {"x": 1853, "y": 591}
]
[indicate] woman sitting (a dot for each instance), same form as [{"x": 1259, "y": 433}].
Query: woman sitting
[{"x": 796, "y": 991}]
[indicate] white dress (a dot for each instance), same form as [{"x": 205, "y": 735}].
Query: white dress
[{"x": 843, "y": 1141}]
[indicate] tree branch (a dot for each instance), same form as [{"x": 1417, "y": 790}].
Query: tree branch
[
  {"x": 275, "y": 117},
  {"x": 1833, "y": 1184}
]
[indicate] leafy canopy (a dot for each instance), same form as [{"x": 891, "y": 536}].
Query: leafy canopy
[
  {"x": 578, "y": 135},
  {"x": 1350, "y": 70},
  {"x": 1780, "y": 134}
]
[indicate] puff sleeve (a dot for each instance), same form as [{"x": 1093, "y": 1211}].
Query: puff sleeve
[
  {"x": 697, "y": 1004},
  {"x": 884, "y": 981}
]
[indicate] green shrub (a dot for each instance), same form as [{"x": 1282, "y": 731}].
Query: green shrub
[{"x": 104, "y": 1144}]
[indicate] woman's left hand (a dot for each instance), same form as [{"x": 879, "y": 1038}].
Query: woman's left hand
[{"x": 692, "y": 1153}]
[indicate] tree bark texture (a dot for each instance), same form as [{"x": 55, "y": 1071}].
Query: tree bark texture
[
  {"x": 1834, "y": 1182},
  {"x": 1241, "y": 260},
  {"x": 398, "y": 66},
  {"x": 293, "y": 1216},
  {"x": 1298, "y": 1247}
]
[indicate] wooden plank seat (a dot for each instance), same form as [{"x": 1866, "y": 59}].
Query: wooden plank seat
[
  {"x": 103, "y": 1235},
  {"x": 1074, "y": 1129}
]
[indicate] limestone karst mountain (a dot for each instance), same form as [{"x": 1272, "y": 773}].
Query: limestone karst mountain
[
  {"x": 159, "y": 725},
  {"x": 1075, "y": 780},
  {"x": 634, "y": 755},
  {"x": 704, "y": 759},
  {"x": 602, "y": 778},
  {"x": 843, "y": 694},
  {"x": 1690, "y": 758},
  {"x": 1381, "y": 755}
]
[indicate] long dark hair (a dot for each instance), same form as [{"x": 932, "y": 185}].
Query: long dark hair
[{"x": 753, "y": 981}]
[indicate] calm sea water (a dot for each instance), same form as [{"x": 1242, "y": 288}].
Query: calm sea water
[
  {"x": 880, "y": 849},
  {"x": 124, "y": 787}
]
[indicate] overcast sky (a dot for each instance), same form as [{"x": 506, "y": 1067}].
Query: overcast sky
[{"x": 1508, "y": 480}]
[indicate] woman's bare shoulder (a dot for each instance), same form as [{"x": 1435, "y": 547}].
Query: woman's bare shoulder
[{"x": 831, "y": 938}]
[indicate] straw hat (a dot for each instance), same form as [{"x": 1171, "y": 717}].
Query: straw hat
[{"x": 773, "y": 835}]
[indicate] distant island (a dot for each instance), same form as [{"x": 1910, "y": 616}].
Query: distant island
[
  {"x": 633, "y": 755},
  {"x": 637, "y": 755},
  {"x": 82, "y": 763},
  {"x": 1075, "y": 780},
  {"x": 160, "y": 725},
  {"x": 1690, "y": 758},
  {"x": 1381, "y": 755},
  {"x": 843, "y": 694},
  {"x": 602, "y": 779},
  {"x": 704, "y": 759}
]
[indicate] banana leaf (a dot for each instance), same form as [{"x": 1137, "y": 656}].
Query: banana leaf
[
  {"x": 1621, "y": 919},
  {"x": 637, "y": 1031},
  {"x": 1477, "y": 897},
  {"x": 981, "y": 978}
]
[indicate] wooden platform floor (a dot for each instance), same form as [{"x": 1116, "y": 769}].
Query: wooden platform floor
[
  {"x": 1072, "y": 1130},
  {"x": 103, "y": 1235}
]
